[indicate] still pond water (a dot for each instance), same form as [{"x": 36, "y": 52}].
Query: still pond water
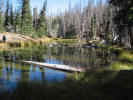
[{"x": 12, "y": 70}]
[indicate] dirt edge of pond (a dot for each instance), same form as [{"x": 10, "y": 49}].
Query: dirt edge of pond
[{"x": 17, "y": 38}]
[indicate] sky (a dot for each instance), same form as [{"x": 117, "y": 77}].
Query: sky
[
  {"x": 53, "y": 6},
  {"x": 57, "y": 5}
]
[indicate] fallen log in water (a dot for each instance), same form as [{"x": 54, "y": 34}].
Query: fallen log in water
[{"x": 58, "y": 66}]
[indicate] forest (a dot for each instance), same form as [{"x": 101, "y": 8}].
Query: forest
[
  {"x": 84, "y": 52},
  {"x": 109, "y": 23}
]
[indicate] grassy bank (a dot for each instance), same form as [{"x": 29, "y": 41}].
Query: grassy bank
[
  {"x": 125, "y": 61},
  {"x": 24, "y": 44},
  {"x": 95, "y": 85}
]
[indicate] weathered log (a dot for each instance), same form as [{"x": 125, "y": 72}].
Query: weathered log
[{"x": 65, "y": 68}]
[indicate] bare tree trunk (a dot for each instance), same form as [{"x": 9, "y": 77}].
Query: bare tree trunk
[
  {"x": 131, "y": 39},
  {"x": 35, "y": 17}
]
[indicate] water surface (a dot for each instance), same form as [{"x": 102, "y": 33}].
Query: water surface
[{"x": 12, "y": 70}]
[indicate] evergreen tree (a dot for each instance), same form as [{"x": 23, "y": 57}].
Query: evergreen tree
[
  {"x": 2, "y": 8},
  {"x": 41, "y": 26},
  {"x": 11, "y": 20},
  {"x": 71, "y": 32},
  {"x": 92, "y": 28},
  {"x": 7, "y": 16},
  {"x": 1, "y": 24},
  {"x": 27, "y": 25},
  {"x": 1, "y": 17},
  {"x": 17, "y": 22},
  {"x": 54, "y": 23},
  {"x": 124, "y": 17},
  {"x": 94, "y": 21}
]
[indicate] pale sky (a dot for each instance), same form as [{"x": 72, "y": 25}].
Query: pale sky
[
  {"x": 57, "y": 5},
  {"x": 52, "y": 5}
]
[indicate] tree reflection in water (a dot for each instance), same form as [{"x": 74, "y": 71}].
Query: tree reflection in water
[{"x": 12, "y": 72}]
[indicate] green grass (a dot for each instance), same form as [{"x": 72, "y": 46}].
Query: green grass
[
  {"x": 125, "y": 62},
  {"x": 120, "y": 66},
  {"x": 126, "y": 57},
  {"x": 95, "y": 85}
]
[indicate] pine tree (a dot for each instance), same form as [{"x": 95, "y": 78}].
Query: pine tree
[
  {"x": 27, "y": 25},
  {"x": 1, "y": 17},
  {"x": 17, "y": 22},
  {"x": 11, "y": 20},
  {"x": 71, "y": 32},
  {"x": 94, "y": 25},
  {"x": 2, "y": 8},
  {"x": 92, "y": 29},
  {"x": 7, "y": 16},
  {"x": 124, "y": 17},
  {"x": 41, "y": 26},
  {"x": 1, "y": 24}
]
